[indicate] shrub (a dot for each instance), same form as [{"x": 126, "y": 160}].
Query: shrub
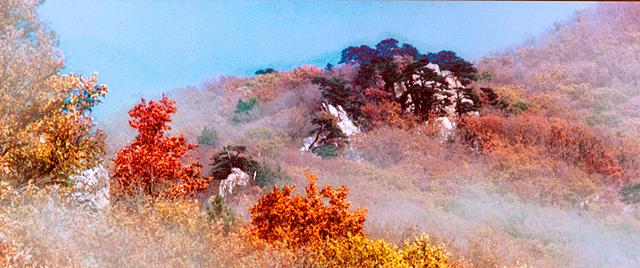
[
  {"x": 420, "y": 253},
  {"x": 508, "y": 98},
  {"x": 265, "y": 71},
  {"x": 327, "y": 133},
  {"x": 242, "y": 110},
  {"x": 630, "y": 194},
  {"x": 297, "y": 220},
  {"x": 208, "y": 137},
  {"x": 557, "y": 138},
  {"x": 337, "y": 92},
  {"x": 265, "y": 87},
  {"x": 266, "y": 141},
  {"x": 243, "y": 107},
  {"x": 326, "y": 151},
  {"x": 46, "y": 129},
  {"x": 383, "y": 112},
  {"x": 217, "y": 210},
  {"x": 266, "y": 176},
  {"x": 231, "y": 156},
  {"x": 298, "y": 76},
  {"x": 358, "y": 251},
  {"x": 52, "y": 134},
  {"x": 173, "y": 233}
]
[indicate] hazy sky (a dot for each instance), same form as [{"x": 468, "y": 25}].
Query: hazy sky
[{"x": 147, "y": 47}]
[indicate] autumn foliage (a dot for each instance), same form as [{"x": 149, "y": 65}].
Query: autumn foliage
[
  {"x": 301, "y": 220},
  {"x": 555, "y": 138},
  {"x": 330, "y": 234},
  {"x": 47, "y": 132},
  {"x": 153, "y": 164},
  {"x": 59, "y": 140}
]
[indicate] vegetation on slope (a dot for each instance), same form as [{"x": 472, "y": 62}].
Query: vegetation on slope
[{"x": 538, "y": 168}]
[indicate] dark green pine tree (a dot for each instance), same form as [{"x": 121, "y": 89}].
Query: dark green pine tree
[
  {"x": 231, "y": 156},
  {"x": 327, "y": 133},
  {"x": 424, "y": 86},
  {"x": 336, "y": 91},
  {"x": 463, "y": 106}
]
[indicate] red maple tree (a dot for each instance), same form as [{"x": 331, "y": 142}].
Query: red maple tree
[{"x": 153, "y": 164}]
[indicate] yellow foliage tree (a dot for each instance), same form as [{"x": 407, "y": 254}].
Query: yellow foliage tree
[
  {"x": 46, "y": 128},
  {"x": 60, "y": 140}
]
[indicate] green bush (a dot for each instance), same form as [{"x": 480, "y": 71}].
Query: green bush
[
  {"x": 326, "y": 151},
  {"x": 630, "y": 194},
  {"x": 208, "y": 137},
  {"x": 266, "y": 176},
  {"x": 234, "y": 157},
  {"x": 217, "y": 210},
  {"x": 243, "y": 107},
  {"x": 231, "y": 156},
  {"x": 243, "y": 110}
]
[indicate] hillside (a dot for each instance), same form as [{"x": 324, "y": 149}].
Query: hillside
[
  {"x": 588, "y": 66},
  {"x": 393, "y": 156}
]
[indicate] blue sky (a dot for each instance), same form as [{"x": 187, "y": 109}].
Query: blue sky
[{"x": 143, "y": 48}]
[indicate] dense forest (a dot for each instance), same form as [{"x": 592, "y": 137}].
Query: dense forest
[{"x": 391, "y": 157}]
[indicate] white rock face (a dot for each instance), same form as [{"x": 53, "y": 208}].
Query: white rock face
[
  {"x": 446, "y": 127},
  {"x": 344, "y": 123},
  {"x": 91, "y": 187},
  {"x": 306, "y": 143},
  {"x": 434, "y": 67},
  {"x": 236, "y": 178}
]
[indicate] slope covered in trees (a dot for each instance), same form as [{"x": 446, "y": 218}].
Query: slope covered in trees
[
  {"x": 428, "y": 160},
  {"x": 588, "y": 66}
]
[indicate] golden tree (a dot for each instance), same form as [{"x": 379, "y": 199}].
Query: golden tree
[{"x": 46, "y": 128}]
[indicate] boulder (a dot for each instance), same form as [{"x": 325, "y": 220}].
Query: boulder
[
  {"x": 91, "y": 188},
  {"x": 236, "y": 178}
]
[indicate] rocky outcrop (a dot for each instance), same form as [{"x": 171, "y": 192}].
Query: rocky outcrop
[
  {"x": 235, "y": 179},
  {"x": 446, "y": 125},
  {"x": 91, "y": 188},
  {"x": 345, "y": 124}
]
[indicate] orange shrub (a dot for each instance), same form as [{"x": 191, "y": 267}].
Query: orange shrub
[
  {"x": 381, "y": 111},
  {"x": 299, "y": 220}
]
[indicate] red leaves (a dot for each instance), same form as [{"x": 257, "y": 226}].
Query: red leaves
[
  {"x": 152, "y": 165},
  {"x": 151, "y": 119}
]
